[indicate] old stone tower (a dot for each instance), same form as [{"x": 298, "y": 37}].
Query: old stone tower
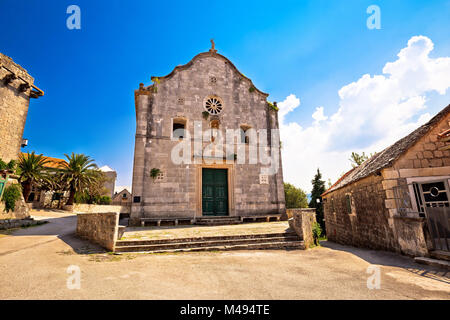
[
  {"x": 16, "y": 89},
  {"x": 190, "y": 112}
]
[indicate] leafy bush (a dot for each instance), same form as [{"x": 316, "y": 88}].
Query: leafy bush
[
  {"x": 2, "y": 165},
  {"x": 86, "y": 198},
  {"x": 10, "y": 196},
  {"x": 81, "y": 197},
  {"x": 8, "y": 166},
  {"x": 295, "y": 197},
  {"x": 317, "y": 232},
  {"x": 104, "y": 200}
]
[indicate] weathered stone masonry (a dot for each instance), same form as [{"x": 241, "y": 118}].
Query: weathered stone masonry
[
  {"x": 16, "y": 88},
  {"x": 180, "y": 96}
]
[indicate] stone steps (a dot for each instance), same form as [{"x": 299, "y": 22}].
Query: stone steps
[
  {"x": 433, "y": 262},
  {"x": 218, "y": 221},
  {"x": 441, "y": 255},
  {"x": 238, "y": 242}
]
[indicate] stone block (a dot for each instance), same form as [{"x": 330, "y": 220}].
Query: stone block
[
  {"x": 390, "y": 174},
  {"x": 302, "y": 223},
  {"x": 389, "y": 184}
]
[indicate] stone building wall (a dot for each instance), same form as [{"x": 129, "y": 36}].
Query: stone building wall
[
  {"x": 368, "y": 223},
  {"x": 110, "y": 183},
  {"x": 13, "y": 108},
  {"x": 181, "y": 95}
]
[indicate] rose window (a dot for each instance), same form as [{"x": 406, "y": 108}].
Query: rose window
[{"x": 213, "y": 105}]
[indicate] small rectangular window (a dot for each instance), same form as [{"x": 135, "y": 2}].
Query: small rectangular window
[
  {"x": 178, "y": 130},
  {"x": 244, "y": 135},
  {"x": 137, "y": 199},
  {"x": 332, "y": 204},
  {"x": 348, "y": 201}
]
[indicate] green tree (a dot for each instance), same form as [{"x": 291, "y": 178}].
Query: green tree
[
  {"x": 295, "y": 197},
  {"x": 316, "y": 199},
  {"x": 31, "y": 170},
  {"x": 357, "y": 159},
  {"x": 78, "y": 173}
]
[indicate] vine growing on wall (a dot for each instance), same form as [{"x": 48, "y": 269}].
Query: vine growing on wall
[
  {"x": 154, "y": 173},
  {"x": 205, "y": 115},
  {"x": 156, "y": 82},
  {"x": 272, "y": 106}
]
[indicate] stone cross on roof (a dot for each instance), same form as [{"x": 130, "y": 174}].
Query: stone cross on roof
[{"x": 213, "y": 46}]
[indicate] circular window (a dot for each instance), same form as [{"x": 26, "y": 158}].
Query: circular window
[
  {"x": 214, "y": 105},
  {"x": 434, "y": 192}
]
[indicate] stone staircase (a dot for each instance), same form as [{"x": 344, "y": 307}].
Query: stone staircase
[
  {"x": 438, "y": 258},
  {"x": 217, "y": 221},
  {"x": 286, "y": 240}
]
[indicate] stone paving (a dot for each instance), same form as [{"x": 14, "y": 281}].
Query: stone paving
[
  {"x": 34, "y": 264},
  {"x": 192, "y": 231}
]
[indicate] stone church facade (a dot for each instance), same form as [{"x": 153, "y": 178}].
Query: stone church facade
[{"x": 207, "y": 95}]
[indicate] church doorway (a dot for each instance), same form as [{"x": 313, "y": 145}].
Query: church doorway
[{"x": 215, "y": 192}]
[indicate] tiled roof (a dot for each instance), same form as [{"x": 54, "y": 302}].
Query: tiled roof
[
  {"x": 386, "y": 157},
  {"x": 53, "y": 163}
]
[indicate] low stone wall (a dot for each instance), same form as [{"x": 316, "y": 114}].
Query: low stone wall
[
  {"x": 100, "y": 228},
  {"x": 412, "y": 235},
  {"x": 18, "y": 223},
  {"x": 302, "y": 221},
  {"x": 97, "y": 208}
]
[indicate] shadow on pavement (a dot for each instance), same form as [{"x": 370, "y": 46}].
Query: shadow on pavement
[
  {"x": 61, "y": 227},
  {"x": 392, "y": 259}
]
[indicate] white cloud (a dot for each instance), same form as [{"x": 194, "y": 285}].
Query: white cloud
[
  {"x": 318, "y": 115},
  {"x": 374, "y": 112},
  {"x": 120, "y": 188},
  {"x": 289, "y": 104}
]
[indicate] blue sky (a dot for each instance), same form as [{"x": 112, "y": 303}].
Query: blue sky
[{"x": 310, "y": 49}]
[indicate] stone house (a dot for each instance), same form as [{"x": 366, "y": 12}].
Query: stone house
[
  {"x": 16, "y": 89},
  {"x": 110, "y": 183},
  {"x": 398, "y": 200},
  {"x": 192, "y": 108},
  {"x": 122, "y": 198}
]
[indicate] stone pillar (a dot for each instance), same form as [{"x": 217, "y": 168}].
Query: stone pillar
[{"x": 302, "y": 221}]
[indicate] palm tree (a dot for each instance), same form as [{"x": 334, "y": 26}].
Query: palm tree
[
  {"x": 78, "y": 172},
  {"x": 31, "y": 169}
]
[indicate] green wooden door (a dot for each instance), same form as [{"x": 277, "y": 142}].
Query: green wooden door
[
  {"x": 2, "y": 185},
  {"x": 214, "y": 192}
]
